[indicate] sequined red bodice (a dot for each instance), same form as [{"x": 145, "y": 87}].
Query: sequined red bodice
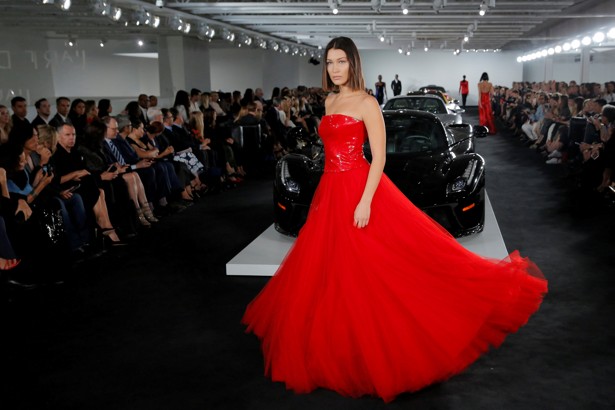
[{"x": 343, "y": 137}]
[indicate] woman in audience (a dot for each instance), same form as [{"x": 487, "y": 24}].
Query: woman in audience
[
  {"x": 8, "y": 256},
  {"x": 154, "y": 138},
  {"x": 182, "y": 104},
  {"x": 91, "y": 111},
  {"x": 5, "y": 124},
  {"x": 77, "y": 117},
  {"x": 104, "y": 108},
  {"x": 156, "y": 187},
  {"x": 165, "y": 172},
  {"x": 38, "y": 150},
  {"x": 37, "y": 241},
  {"x": 606, "y": 125}
]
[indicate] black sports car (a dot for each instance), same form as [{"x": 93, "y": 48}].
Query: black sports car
[{"x": 432, "y": 163}]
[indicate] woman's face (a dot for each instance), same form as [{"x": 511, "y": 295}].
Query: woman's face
[
  {"x": 338, "y": 67},
  {"x": 4, "y": 115},
  {"x": 93, "y": 111},
  {"x": 32, "y": 143},
  {"x": 138, "y": 131},
  {"x": 80, "y": 108},
  {"x": 22, "y": 162}
]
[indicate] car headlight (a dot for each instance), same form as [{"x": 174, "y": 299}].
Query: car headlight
[
  {"x": 462, "y": 181},
  {"x": 287, "y": 180}
]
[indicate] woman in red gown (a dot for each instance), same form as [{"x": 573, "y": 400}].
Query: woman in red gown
[
  {"x": 485, "y": 110},
  {"x": 374, "y": 297}
]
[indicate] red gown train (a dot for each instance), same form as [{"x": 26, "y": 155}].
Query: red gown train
[
  {"x": 485, "y": 113},
  {"x": 390, "y": 308}
]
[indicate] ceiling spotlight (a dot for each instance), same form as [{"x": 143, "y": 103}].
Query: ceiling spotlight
[
  {"x": 140, "y": 43},
  {"x": 400, "y": 51},
  {"x": 285, "y": 48},
  {"x": 160, "y": 3},
  {"x": 377, "y": 5},
  {"x": 405, "y": 4},
  {"x": 586, "y": 40},
  {"x": 466, "y": 38},
  {"x": 598, "y": 37},
  {"x": 334, "y": 5},
  {"x": 482, "y": 9},
  {"x": 575, "y": 44},
  {"x": 102, "y": 43},
  {"x": 115, "y": 14},
  {"x": 71, "y": 42},
  {"x": 382, "y": 38},
  {"x": 611, "y": 33},
  {"x": 102, "y": 7},
  {"x": 63, "y": 4},
  {"x": 155, "y": 21},
  {"x": 186, "y": 28}
]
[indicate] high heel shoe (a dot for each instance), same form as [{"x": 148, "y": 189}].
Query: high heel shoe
[
  {"x": 111, "y": 236},
  {"x": 149, "y": 215},
  {"x": 142, "y": 219}
]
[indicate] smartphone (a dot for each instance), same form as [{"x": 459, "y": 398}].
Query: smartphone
[{"x": 74, "y": 188}]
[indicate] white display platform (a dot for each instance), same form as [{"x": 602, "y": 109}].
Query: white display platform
[{"x": 263, "y": 256}]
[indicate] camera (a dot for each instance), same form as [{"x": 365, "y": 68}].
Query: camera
[{"x": 160, "y": 3}]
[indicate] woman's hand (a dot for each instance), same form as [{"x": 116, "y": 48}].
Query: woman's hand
[
  {"x": 22, "y": 206},
  {"x": 44, "y": 153},
  {"x": 108, "y": 175},
  {"x": 361, "y": 215}
]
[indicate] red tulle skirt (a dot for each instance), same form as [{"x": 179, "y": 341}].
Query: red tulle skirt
[
  {"x": 390, "y": 308},
  {"x": 485, "y": 113}
]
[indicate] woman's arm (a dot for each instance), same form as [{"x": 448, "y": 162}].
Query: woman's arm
[{"x": 374, "y": 123}]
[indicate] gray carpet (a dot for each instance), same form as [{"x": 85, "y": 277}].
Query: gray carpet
[{"x": 156, "y": 325}]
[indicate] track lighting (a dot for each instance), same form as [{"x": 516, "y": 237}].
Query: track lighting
[
  {"x": 63, "y": 4},
  {"x": 115, "y": 14},
  {"x": 334, "y": 5},
  {"x": 405, "y": 4},
  {"x": 482, "y": 9}
]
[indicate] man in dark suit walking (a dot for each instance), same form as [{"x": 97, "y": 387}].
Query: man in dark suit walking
[{"x": 396, "y": 85}]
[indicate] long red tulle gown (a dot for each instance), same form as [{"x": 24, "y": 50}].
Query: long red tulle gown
[
  {"x": 485, "y": 113},
  {"x": 390, "y": 308}
]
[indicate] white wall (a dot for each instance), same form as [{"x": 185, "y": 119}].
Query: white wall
[{"x": 440, "y": 68}]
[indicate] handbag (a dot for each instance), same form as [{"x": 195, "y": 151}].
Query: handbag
[{"x": 51, "y": 224}]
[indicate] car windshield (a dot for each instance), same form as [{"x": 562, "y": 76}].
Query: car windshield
[
  {"x": 413, "y": 135},
  {"x": 432, "y": 105}
]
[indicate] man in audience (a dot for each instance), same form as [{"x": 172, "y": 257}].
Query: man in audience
[
  {"x": 195, "y": 100},
  {"x": 62, "y": 109},
  {"x": 43, "y": 112},
  {"x": 152, "y": 106},
  {"x": 143, "y": 101},
  {"x": 21, "y": 125}
]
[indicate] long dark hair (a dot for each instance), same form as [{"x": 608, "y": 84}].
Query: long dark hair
[
  {"x": 484, "y": 77},
  {"x": 355, "y": 73}
]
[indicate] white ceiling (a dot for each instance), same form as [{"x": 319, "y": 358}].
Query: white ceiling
[{"x": 441, "y": 24}]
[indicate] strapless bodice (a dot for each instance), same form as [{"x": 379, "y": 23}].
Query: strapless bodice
[{"x": 343, "y": 137}]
